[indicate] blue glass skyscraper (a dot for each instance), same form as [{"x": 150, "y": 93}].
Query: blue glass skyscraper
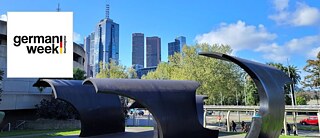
[
  {"x": 177, "y": 45},
  {"x": 106, "y": 43}
]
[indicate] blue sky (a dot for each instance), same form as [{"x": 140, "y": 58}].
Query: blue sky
[{"x": 264, "y": 31}]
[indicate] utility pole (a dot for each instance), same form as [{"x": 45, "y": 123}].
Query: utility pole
[{"x": 293, "y": 101}]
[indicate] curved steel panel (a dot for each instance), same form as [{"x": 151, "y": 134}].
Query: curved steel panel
[
  {"x": 172, "y": 104},
  {"x": 200, "y": 102},
  {"x": 270, "y": 83},
  {"x": 99, "y": 113}
]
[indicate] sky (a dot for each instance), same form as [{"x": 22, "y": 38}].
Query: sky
[{"x": 263, "y": 31}]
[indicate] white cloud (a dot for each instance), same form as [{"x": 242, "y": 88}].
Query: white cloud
[
  {"x": 256, "y": 38},
  {"x": 3, "y": 17},
  {"x": 281, "y": 4},
  {"x": 303, "y": 15},
  {"x": 273, "y": 52},
  {"x": 313, "y": 53},
  {"x": 307, "y": 46},
  {"x": 306, "y": 15},
  {"x": 238, "y": 35},
  {"x": 76, "y": 37}
]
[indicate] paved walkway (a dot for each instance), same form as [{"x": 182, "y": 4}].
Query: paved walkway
[{"x": 141, "y": 132}]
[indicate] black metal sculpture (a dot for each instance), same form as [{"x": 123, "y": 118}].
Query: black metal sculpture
[
  {"x": 99, "y": 113},
  {"x": 270, "y": 83},
  {"x": 172, "y": 104},
  {"x": 200, "y": 102}
]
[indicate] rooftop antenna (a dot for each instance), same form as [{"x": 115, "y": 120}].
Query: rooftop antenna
[
  {"x": 107, "y": 10},
  {"x": 58, "y": 9}
]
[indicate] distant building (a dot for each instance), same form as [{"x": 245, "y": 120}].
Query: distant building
[
  {"x": 89, "y": 49},
  {"x": 144, "y": 71},
  {"x": 78, "y": 56},
  {"x": 138, "y": 49},
  {"x": 176, "y": 46},
  {"x": 153, "y": 51},
  {"x": 104, "y": 45}
]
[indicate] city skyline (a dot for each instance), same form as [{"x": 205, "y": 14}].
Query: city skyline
[{"x": 274, "y": 32}]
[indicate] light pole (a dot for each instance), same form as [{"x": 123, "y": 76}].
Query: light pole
[{"x": 292, "y": 97}]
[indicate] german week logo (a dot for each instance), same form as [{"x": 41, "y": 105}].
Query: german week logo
[{"x": 40, "y": 45}]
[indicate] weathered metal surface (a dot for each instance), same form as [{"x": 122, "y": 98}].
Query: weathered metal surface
[
  {"x": 99, "y": 113},
  {"x": 270, "y": 83},
  {"x": 172, "y": 104}
]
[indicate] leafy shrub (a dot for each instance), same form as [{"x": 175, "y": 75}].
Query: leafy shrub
[{"x": 56, "y": 109}]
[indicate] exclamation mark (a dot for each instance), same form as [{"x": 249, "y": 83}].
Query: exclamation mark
[{"x": 60, "y": 44}]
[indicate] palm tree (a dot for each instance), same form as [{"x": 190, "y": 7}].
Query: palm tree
[{"x": 293, "y": 72}]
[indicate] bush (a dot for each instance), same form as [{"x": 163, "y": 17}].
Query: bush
[{"x": 56, "y": 109}]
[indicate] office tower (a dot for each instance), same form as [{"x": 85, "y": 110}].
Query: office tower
[
  {"x": 177, "y": 45},
  {"x": 138, "y": 49},
  {"x": 153, "y": 51},
  {"x": 89, "y": 56},
  {"x": 106, "y": 43}
]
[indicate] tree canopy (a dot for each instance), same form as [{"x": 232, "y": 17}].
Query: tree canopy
[
  {"x": 312, "y": 80},
  {"x": 220, "y": 80},
  {"x": 114, "y": 71},
  {"x": 78, "y": 74}
]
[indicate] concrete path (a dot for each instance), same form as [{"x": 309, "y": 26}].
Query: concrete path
[{"x": 141, "y": 132}]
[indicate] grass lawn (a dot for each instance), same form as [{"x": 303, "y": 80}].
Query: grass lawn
[
  {"x": 39, "y": 133},
  {"x": 282, "y": 136},
  {"x": 308, "y": 127}
]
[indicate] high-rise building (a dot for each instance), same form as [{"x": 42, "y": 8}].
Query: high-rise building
[
  {"x": 153, "y": 51},
  {"x": 177, "y": 45},
  {"x": 106, "y": 43},
  {"x": 89, "y": 49},
  {"x": 138, "y": 49}
]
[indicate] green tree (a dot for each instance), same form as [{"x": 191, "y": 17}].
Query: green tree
[
  {"x": 78, "y": 74},
  {"x": 312, "y": 80},
  {"x": 251, "y": 91},
  {"x": 112, "y": 70},
  {"x": 301, "y": 100},
  {"x": 132, "y": 74},
  {"x": 220, "y": 80}
]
